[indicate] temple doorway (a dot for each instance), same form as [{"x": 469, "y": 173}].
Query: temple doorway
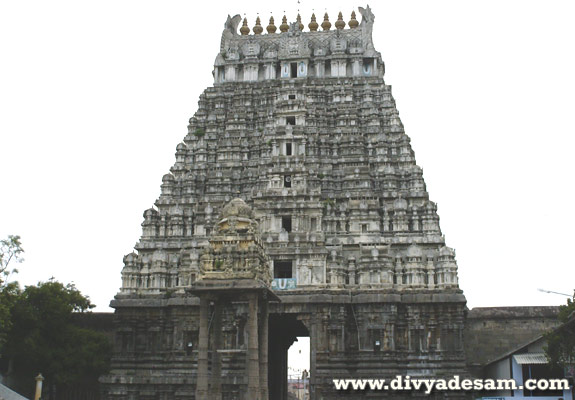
[{"x": 284, "y": 331}]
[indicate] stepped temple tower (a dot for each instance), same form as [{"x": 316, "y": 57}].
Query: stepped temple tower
[{"x": 294, "y": 208}]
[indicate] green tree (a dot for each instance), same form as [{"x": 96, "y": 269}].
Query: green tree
[
  {"x": 44, "y": 337},
  {"x": 10, "y": 252},
  {"x": 8, "y": 296},
  {"x": 560, "y": 349}
]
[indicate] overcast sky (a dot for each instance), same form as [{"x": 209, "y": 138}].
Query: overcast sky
[{"x": 95, "y": 96}]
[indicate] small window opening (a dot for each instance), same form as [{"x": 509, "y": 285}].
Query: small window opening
[
  {"x": 293, "y": 70},
  {"x": 291, "y": 96},
  {"x": 288, "y": 149},
  {"x": 283, "y": 269},
  {"x": 287, "y": 181},
  {"x": 286, "y": 223},
  {"x": 363, "y": 228},
  {"x": 367, "y": 66},
  {"x": 290, "y": 120}
]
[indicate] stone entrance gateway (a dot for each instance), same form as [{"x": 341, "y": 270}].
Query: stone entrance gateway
[
  {"x": 284, "y": 329},
  {"x": 255, "y": 363},
  {"x": 235, "y": 279},
  {"x": 294, "y": 207}
]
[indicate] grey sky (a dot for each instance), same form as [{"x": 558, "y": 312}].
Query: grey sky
[{"x": 95, "y": 96}]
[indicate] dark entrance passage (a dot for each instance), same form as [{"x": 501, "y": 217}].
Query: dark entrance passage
[{"x": 283, "y": 331}]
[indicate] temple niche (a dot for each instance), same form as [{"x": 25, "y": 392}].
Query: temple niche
[{"x": 295, "y": 207}]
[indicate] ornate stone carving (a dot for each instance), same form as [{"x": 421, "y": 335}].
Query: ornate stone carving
[
  {"x": 230, "y": 30},
  {"x": 294, "y": 44},
  {"x": 251, "y": 49},
  {"x": 235, "y": 250},
  {"x": 333, "y": 202}
]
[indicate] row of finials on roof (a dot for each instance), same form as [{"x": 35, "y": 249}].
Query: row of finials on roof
[{"x": 313, "y": 25}]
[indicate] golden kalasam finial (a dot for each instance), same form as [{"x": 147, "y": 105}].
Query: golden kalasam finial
[
  {"x": 298, "y": 20},
  {"x": 340, "y": 23},
  {"x": 284, "y": 26},
  {"x": 353, "y": 23},
  {"x": 245, "y": 29},
  {"x": 326, "y": 24},
  {"x": 271, "y": 28},
  {"x": 313, "y": 24},
  {"x": 258, "y": 27}
]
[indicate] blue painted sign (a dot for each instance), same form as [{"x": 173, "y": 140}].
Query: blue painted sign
[{"x": 284, "y": 283}]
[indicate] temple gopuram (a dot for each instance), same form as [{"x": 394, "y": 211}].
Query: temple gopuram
[{"x": 294, "y": 208}]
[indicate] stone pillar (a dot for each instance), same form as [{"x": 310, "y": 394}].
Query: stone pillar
[
  {"x": 314, "y": 340},
  {"x": 216, "y": 389},
  {"x": 274, "y": 368},
  {"x": 38, "y": 393},
  {"x": 263, "y": 350},
  {"x": 284, "y": 369},
  {"x": 319, "y": 69},
  {"x": 202, "y": 375},
  {"x": 253, "y": 392}
]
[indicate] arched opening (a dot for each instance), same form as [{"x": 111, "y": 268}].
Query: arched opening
[{"x": 284, "y": 331}]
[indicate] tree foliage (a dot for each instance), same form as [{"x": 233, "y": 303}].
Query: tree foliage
[
  {"x": 38, "y": 331},
  {"x": 10, "y": 252},
  {"x": 8, "y": 296},
  {"x": 44, "y": 337},
  {"x": 560, "y": 349}
]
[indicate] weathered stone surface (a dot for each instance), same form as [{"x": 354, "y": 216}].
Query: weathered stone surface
[
  {"x": 493, "y": 331},
  {"x": 303, "y": 129}
]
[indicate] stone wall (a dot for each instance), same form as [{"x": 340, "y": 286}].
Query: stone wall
[
  {"x": 490, "y": 332},
  {"x": 97, "y": 321},
  {"x": 415, "y": 332}
]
